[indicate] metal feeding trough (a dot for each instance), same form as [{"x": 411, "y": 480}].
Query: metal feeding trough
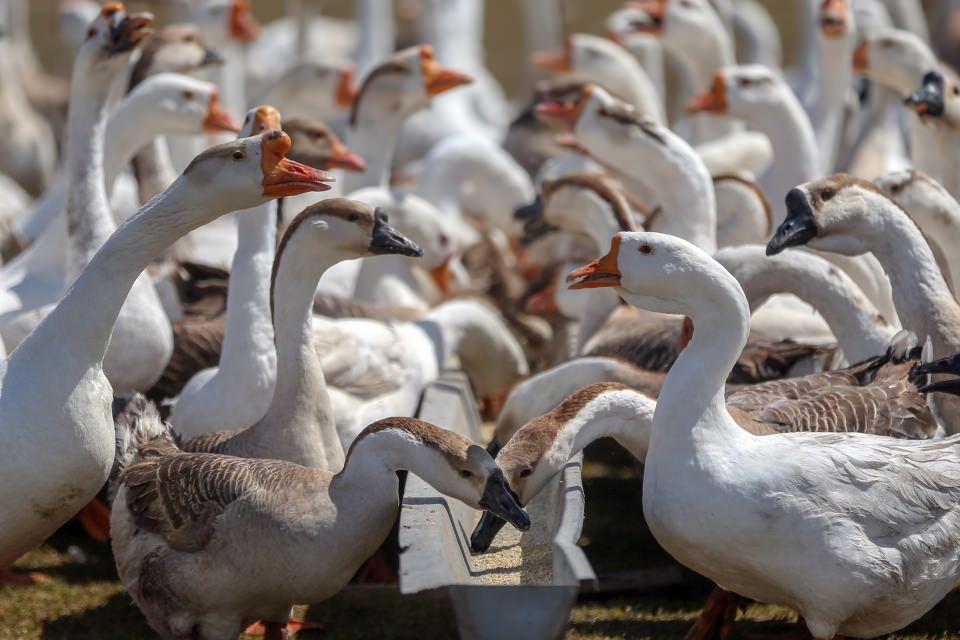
[{"x": 521, "y": 590}]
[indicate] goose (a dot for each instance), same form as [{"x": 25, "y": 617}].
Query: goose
[
  {"x": 166, "y": 103},
  {"x": 937, "y": 105},
  {"x": 768, "y": 541},
  {"x": 934, "y": 209},
  {"x": 181, "y": 523},
  {"x": 645, "y": 47},
  {"x": 64, "y": 445},
  {"x": 322, "y": 91},
  {"x": 756, "y": 36},
  {"x": 693, "y": 34},
  {"x": 608, "y": 65},
  {"x": 298, "y": 425},
  {"x": 847, "y": 215},
  {"x": 744, "y": 215}
]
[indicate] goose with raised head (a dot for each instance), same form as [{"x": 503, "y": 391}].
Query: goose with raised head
[
  {"x": 64, "y": 445},
  {"x": 937, "y": 102},
  {"x": 837, "y": 38},
  {"x": 181, "y": 524},
  {"x": 851, "y": 216},
  {"x": 298, "y": 425},
  {"x": 791, "y": 532}
]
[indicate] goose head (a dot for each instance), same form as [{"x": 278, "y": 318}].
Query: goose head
[
  {"x": 73, "y": 18},
  {"x": 832, "y": 214},
  {"x": 741, "y": 91},
  {"x": 937, "y": 99},
  {"x": 587, "y": 204},
  {"x": 591, "y": 57},
  {"x": 447, "y": 461},
  {"x": 185, "y": 105},
  {"x": 404, "y": 83},
  {"x": 316, "y": 145},
  {"x": 836, "y": 19},
  {"x": 177, "y": 48},
  {"x": 246, "y": 172},
  {"x": 310, "y": 87},
  {"x": 225, "y": 21},
  {"x": 110, "y": 41},
  {"x": 680, "y": 24},
  {"x": 921, "y": 195},
  {"x": 893, "y": 58}
]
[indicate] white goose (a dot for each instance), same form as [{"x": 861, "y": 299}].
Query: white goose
[
  {"x": 793, "y": 532},
  {"x": 65, "y": 444}
]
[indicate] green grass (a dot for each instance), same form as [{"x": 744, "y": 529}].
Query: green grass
[{"x": 84, "y": 601}]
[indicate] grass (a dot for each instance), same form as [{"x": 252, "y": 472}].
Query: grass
[{"x": 84, "y": 601}]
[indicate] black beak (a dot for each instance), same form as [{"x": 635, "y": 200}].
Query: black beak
[
  {"x": 485, "y": 531},
  {"x": 950, "y": 364},
  {"x": 951, "y": 386},
  {"x": 800, "y": 226},
  {"x": 387, "y": 240},
  {"x": 127, "y": 32},
  {"x": 928, "y": 99},
  {"x": 530, "y": 211},
  {"x": 500, "y": 500},
  {"x": 211, "y": 58}
]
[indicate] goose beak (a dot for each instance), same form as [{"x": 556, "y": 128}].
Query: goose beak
[
  {"x": 243, "y": 26},
  {"x": 950, "y": 364},
  {"x": 500, "y": 500},
  {"x": 603, "y": 272},
  {"x": 833, "y": 18},
  {"x": 211, "y": 58},
  {"x": 712, "y": 101},
  {"x": 265, "y": 118},
  {"x": 346, "y": 90},
  {"x": 555, "y": 60},
  {"x": 485, "y": 531},
  {"x": 442, "y": 275},
  {"x": 656, "y": 12},
  {"x": 951, "y": 386},
  {"x": 438, "y": 78},
  {"x": 342, "y": 158},
  {"x": 284, "y": 177},
  {"x": 800, "y": 226},
  {"x": 218, "y": 119},
  {"x": 387, "y": 240},
  {"x": 127, "y": 31},
  {"x": 861, "y": 58},
  {"x": 928, "y": 99},
  {"x": 529, "y": 211}
]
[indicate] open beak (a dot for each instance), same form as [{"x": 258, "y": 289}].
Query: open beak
[
  {"x": 485, "y": 531},
  {"x": 712, "y": 101},
  {"x": 438, "y": 78},
  {"x": 211, "y": 58},
  {"x": 555, "y": 60},
  {"x": 799, "y": 227},
  {"x": 442, "y": 275},
  {"x": 928, "y": 99},
  {"x": 284, "y": 177},
  {"x": 833, "y": 18},
  {"x": 243, "y": 26},
  {"x": 500, "y": 500},
  {"x": 342, "y": 158},
  {"x": 603, "y": 272},
  {"x": 861, "y": 58},
  {"x": 387, "y": 240},
  {"x": 127, "y": 31},
  {"x": 346, "y": 90},
  {"x": 218, "y": 119}
]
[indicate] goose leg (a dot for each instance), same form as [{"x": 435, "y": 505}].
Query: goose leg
[
  {"x": 286, "y": 630},
  {"x": 95, "y": 520},
  {"x": 717, "y": 618},
  {"x": 9, "y": 577}
]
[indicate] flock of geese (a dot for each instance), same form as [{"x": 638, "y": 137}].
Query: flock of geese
[{"x": 217, "y": 330}]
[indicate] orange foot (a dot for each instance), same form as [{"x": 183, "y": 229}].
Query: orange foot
[
  {"x": 269, "y": 630},
  {"x": 716, "y": 619},
  {"x": 95, "y": 520},
  {"x": 25, "y": 579},
  {"x": 376, "y": 571}
]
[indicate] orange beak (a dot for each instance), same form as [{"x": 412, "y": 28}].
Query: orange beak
[
  {"x": 436, "y": 77},
  {"x": 602, "y": 272},
  {"x": 861, "y": 58},
  {"x": 265, "y": 118},
  {"x": 284, "y": 177},
  {"x": 833, "y": 18},
  {"x": 342, "y": 158},
  {"x": 346, "y": 90},
  {"x": 243, "y": 26},
  {"x": 217, "y": 117},
  {"x": 442, "y": 276},
  {"x": 656, "y": 11},
  {"x": 712, "y": 101},
  {"x": 543, "y": 301},
  {"x": 556, "y": 60},
  {"x": 564, "y": 114}
]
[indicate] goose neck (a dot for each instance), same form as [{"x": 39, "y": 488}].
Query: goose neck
[
  {"x": 623, "y": 415},
  {"x": 373, "y": 136}
]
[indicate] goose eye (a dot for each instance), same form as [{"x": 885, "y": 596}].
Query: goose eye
[
  {"x": 188, "y": 95},
  {"x": 526, "y": 473},
  {"x": 956, "y": 90},
  {"x": 744, "y": 82},
  {"x": 646, "y": 249},
  {"x": 827, "y": 194},
  {"x": 353, "y": 217},
  {"x": 91, "y": 32},
  {"x": 239, "y": 155},
  {"x": 464, "y": 473}
]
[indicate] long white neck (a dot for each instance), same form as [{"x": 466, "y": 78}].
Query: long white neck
[
  {"x": 795, "y": 152},
  {"x": 89, "y": 222},
  {"x": 389, "y": 279},
  {"x": 373, "y": 136},
  {"x": 248, "y": 342},
  {"x": 371, "y": 471},
  {"x": 835, "y": 81},
  {"x": 855, "y": 322},
  {"x": 938, "y": 214},
  {"x": 300, "y": 414},
  {"x": 82, "y": 322},
  {"x": 377, "y": 34},
  {"x": 691, "y": 402},
  {"x": 624, "y": 415},
  {"x": 808, "y": 56}
]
